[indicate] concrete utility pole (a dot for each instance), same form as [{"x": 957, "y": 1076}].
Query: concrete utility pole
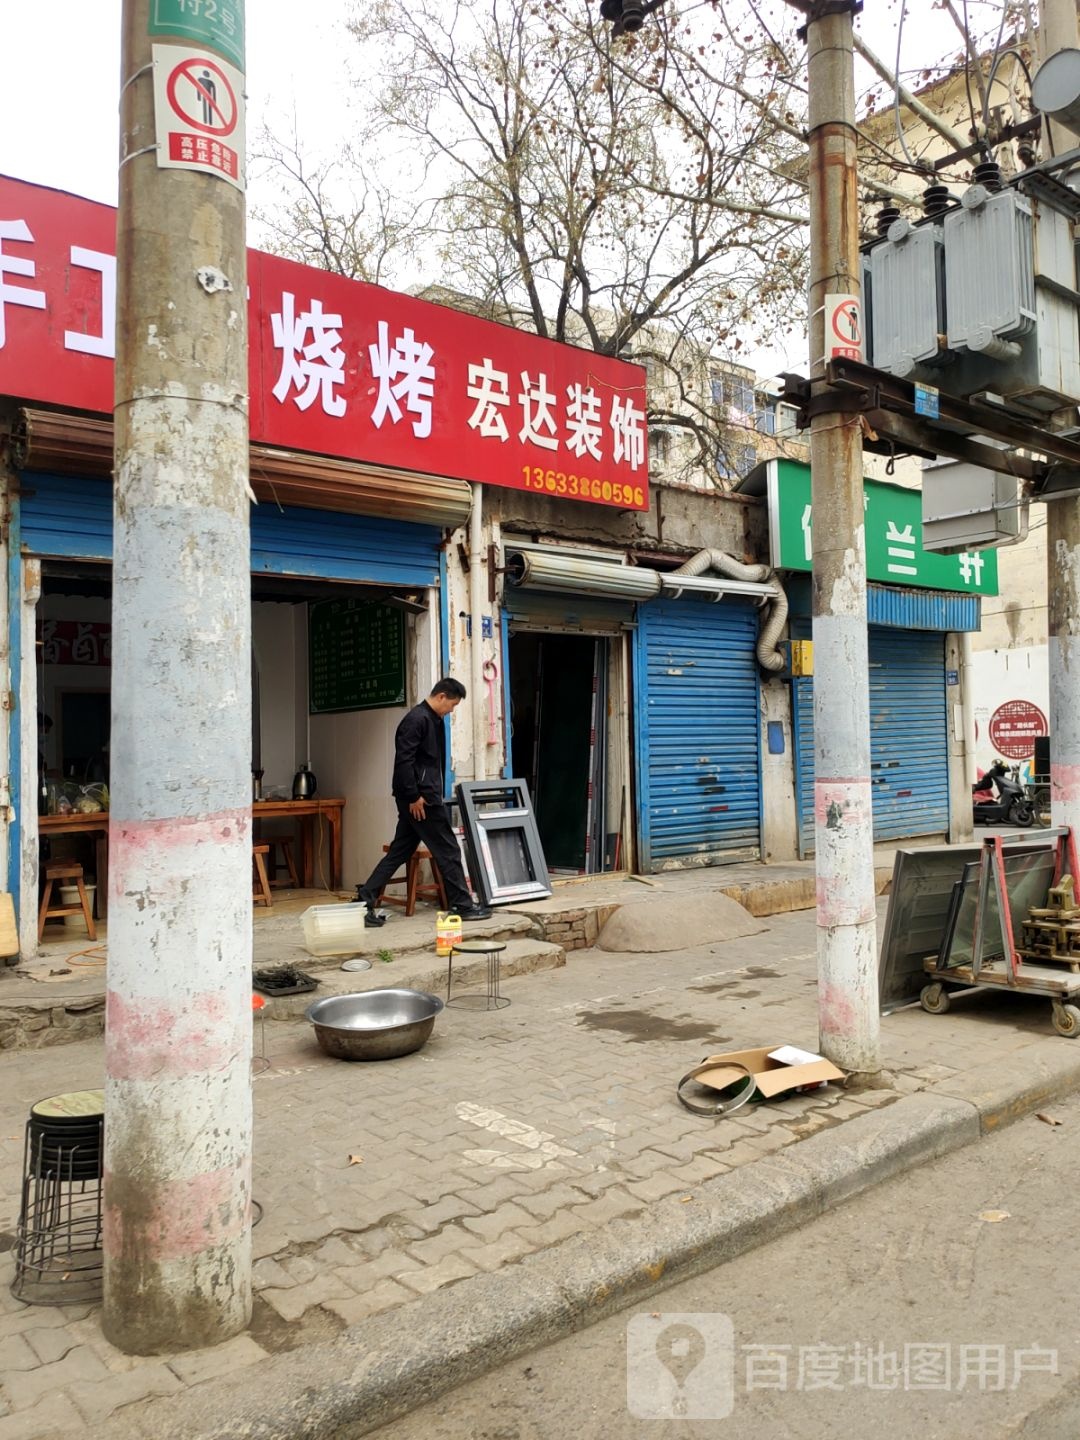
[
  {"x": 847, "y": 933},
  {"x": 1058, "y": 31},
  {"x": 178, "y": 1038}
]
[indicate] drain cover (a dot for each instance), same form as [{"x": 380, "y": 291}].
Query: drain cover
[{"x": 283, "y": 980}]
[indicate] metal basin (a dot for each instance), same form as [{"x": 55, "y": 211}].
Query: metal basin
[{"x": 375, "y": 1024}]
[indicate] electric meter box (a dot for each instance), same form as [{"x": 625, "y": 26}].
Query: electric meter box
[{"x": 965, "y": 507}]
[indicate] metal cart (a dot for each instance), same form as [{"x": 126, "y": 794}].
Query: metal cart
[{"x": 992, "y": 961}]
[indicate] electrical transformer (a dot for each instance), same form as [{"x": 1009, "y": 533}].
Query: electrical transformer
[{"x": 980, "y": 294}]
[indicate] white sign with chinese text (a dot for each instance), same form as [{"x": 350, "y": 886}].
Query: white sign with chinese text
[
  {"x": 199, "y": 112},
  {"x": 843, "y": 327}
]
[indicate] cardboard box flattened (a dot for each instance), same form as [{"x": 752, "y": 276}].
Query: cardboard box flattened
[{"x": 771, "y": 1077}]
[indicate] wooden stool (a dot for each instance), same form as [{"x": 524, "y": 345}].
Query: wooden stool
[
  {"x": 59, "y": 871},
  {"x": 414, "y": 891},
  {"x": 284, "y": 844},
  {"x": 262, "y": 881}
]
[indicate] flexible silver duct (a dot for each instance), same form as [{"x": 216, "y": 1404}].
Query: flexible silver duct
[{"x": 769, "y": 657}]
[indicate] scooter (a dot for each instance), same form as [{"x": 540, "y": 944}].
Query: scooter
[{"x": 1010, "y": 806}]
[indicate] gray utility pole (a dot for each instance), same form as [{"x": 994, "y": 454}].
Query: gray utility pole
[
  {"x": 1058, "y": 31},
  {"x": 848, "y": 1014},
  {"x": 177, "y": 1234}
]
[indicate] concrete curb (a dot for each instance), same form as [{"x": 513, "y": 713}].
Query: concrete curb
[{"x": 386, "y": 1366}]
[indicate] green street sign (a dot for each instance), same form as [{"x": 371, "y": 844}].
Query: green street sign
[
  {"x": 894, "y": 549},
  {"x": 218, "y": 24}
]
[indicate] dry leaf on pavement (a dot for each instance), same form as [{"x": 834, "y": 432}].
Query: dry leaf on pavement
[
  {"x": 356, "y": 1159},
  {"x": 993, "y": 1216},
  {"x": 1046, "y": 1119}
]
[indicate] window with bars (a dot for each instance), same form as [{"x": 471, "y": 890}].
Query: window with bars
[{"x": 735, "y": 461}]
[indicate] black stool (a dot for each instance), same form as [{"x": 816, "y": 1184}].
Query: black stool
[
  {"x": 488, "y": 999},
  {"x": 58, "y": 1254}
]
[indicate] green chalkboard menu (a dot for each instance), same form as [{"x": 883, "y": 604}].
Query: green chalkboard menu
[{"x": 356, "y": 651}]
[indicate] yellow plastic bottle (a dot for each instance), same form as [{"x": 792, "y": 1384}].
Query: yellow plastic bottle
[{"x": 447, "y": 932}]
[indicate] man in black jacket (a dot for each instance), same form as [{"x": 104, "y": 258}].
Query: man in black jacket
[{"x": 418, "y": 785}]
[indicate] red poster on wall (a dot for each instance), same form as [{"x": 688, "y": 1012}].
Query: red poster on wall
[
  {"x": 1014, "y": 727},
  {"x": 337, "y": 367}
]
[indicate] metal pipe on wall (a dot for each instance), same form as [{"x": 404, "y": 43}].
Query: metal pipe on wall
[
  {"x": 476, "y": 641},
  {"x": 967, "y": 709}
]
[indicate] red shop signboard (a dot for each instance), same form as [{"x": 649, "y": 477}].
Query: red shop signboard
[{"x": 337, "y": 367}]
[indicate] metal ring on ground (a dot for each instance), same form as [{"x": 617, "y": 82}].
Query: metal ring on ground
[{"x": 719, "y": 1106}]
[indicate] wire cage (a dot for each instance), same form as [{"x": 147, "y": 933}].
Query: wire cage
[{"x": 58, "y": 1242}]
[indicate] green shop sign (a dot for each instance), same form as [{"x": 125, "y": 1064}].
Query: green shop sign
[
  {"x": 894, "y": 549},
  {"x": 218, "y": 24}
]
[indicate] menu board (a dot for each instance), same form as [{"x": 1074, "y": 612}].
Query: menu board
[{"x": 356, "y": 655}]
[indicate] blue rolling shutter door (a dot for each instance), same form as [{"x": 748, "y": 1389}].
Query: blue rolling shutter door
[
  {"x": 909, "y": 741},
  {"x": 72, "y": 518},
  {"x": 909, "y": 744},
  {"x": 697, "y": 733}
]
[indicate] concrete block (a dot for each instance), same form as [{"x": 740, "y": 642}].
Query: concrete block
[
  {"x": 490, "y": 1227},
  {"x": 196, "y": 1366},
  {"x": 25, "y": 1388},
  {"x": 16, "y": 1352},
  {"x": 510, "y": 1246},
  {"x": 1002, "y": 1093},
  {"x": 384, "y": 1296},
  {"x": 434, "y": 1277},
  {"x": 55, "y": 1415},
  {"x": 96, "y": 1400}
]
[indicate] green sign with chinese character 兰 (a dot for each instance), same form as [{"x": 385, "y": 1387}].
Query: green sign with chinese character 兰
[
  {"x": 218, "y": 24},
  {"x": 356, "y": 655},
  {"x": 894, "y": 549}
]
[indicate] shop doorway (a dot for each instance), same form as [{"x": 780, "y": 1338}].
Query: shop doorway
[
  {"x": 84, "y": 734},
  {"x": 558, "y": 742}
]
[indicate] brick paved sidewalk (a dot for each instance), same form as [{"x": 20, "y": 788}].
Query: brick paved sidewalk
[{"x": 509, "y": 1132}]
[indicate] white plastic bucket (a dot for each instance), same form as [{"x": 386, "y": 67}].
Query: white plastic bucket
[{"x": 69, "y": 895}]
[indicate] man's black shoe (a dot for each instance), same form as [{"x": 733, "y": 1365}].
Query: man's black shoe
[{"x": 474, "y": 912}]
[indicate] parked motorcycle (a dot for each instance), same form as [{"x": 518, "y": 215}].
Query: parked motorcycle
[{"x": 998, "y": 797}]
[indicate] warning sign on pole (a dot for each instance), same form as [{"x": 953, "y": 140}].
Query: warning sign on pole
[
  {"x": 843, "y": 327},
  {"x": 199, "y": 112}
]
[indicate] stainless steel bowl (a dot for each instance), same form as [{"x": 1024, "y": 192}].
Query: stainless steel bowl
[{"x": 375, "y": 1024}]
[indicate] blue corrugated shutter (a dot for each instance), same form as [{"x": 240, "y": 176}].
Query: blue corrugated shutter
[
  {"x": 697, "y": 733},
  {"x": 72, "y": 518},
  {"x": 802, "y": 728},
  {"x": 909, "y": 744}
]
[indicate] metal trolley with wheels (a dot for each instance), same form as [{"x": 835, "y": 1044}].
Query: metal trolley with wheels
[{"x": 992, "y": 959}]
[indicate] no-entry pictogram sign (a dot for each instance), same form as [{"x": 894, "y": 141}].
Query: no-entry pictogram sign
[
  {"x": 843, "y": 327},
  {"x": 199, "y": 112},
  {"x": 200, "y": 96}
]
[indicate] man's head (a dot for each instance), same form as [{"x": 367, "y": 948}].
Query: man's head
[{"x": 446, "y": 695}]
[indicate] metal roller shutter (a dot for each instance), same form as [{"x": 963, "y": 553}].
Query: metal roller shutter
[
  {"x": 72, "y": 519},
  {"x": 697, "y": 733},
  {"x": 909, "y": 747}
]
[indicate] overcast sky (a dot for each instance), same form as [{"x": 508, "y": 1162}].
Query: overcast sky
[{"x": 58, "y": 98}]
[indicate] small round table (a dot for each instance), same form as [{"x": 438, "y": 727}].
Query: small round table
[{"x": 488, "y": 999}]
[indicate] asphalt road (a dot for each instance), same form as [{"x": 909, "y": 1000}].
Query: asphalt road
[{"x": 942, "y": 1304}]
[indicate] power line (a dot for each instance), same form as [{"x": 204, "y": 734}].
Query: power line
[{"x": 896, "y": 89}]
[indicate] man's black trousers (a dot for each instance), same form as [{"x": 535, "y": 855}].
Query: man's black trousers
[{"x": 436, "y": 833}]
